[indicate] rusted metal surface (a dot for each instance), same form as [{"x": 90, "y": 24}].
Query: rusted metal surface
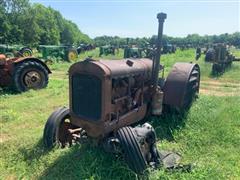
[
  {"x": 32, "y": 79},
  {"x": 156, "y": 65},
  {"x": 108, "y": 96},
  {"x": 6, "y": 71},
  {"x": 126, "y": 91},
  {"x": 181, "y": 83},
  {"x": 124, "y": 97}
]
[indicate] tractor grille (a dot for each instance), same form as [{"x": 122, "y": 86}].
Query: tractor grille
[{"x": 86, "y": 96}]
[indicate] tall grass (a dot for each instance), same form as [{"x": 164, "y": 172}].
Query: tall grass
[{"x": 208, "y": 136}]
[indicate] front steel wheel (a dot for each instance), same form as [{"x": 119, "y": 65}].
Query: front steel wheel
[{"x": 56, "y": 130}]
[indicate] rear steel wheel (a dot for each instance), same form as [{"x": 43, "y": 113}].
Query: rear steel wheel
[
  {"x": 182, "y": 85},
  {"x": 192, "y": 88}
]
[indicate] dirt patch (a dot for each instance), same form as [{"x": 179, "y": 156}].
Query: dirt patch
[
  {"x": 4, "y": 138},
  {"x": 11, "y": 177},
  {"x": 218, "y": 83},
  {"x": 218, "y": 93},
  {"x": 217, "y": 88}
]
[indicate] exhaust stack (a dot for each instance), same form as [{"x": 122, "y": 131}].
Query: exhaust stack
[{"x": 156, "y": 63}]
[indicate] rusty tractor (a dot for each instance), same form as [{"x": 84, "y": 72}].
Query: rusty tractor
[
  {"x": 23, "y": 73},
  {"x": 221, "y": 58},
  {"x": 110, "y": 100},
  {"x": 15, "y": 50},
  {"x": 50, "y": 52}
]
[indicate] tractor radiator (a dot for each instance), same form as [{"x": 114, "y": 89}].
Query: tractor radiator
[{"x": 86, "y": 96}]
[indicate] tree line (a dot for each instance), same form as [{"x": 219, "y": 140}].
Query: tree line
[
  {"x": 192, "y": 40},
  {"x": 32, "y": 24},
  {"x": 22, "y": 22}
]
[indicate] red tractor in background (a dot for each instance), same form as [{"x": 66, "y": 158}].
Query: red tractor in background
[{"x": 23, "y": 73}]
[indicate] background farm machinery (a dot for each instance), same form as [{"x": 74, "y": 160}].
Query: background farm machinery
[
  {"x": 221, "y": 58},
  {"x": 168, "y": 48},
  {"x": 15, "y": 50},
  {"x": 52, "y": 52},
  {"x": 106, "y": 50},
  {"x": 109, "y": 97},
  {"x": 135, "y": 52},
  {"x": 85, "y": 47},
  {"x": 23, "y": 73}
]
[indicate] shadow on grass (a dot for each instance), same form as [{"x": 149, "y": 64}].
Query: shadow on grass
[
  {"x": 170, "y": 121},
  {"x": 218, "y": 73},
  {"x": 87, "y": 162},
  {"x": 36, "y": 152},
  {"x": 90, "y": 162},
  {"x": 7, "y": 91},
  {"x": 78, "y": 162}
]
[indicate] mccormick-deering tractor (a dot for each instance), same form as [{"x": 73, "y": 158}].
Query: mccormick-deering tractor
[
  {"x": 110, "y": 99},
  {"x": 23, "y": 73}
]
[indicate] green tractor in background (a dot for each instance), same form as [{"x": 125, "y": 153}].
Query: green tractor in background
[
  {"x": 168, "y": 48},
  {"x": 52, "y": 52},
  {"x": 15, "y": 50},
  {"x": 106, "y": 50},
  {"x": 133, "y": 52}
]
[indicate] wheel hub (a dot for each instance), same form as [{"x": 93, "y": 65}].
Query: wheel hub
[{"x": 32, "y": 79}]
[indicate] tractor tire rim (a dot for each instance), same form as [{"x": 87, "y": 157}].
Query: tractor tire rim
[
  {"x": 32, "y": 79},
  {"x": 72, "y": 56},
  {"x": 63, "y": 136},
  {"x": 26, "y": 54}
]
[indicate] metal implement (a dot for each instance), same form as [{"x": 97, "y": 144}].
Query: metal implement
[{"x": 108, "y": 97}]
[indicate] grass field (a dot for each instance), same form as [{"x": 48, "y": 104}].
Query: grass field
[{"x": 208, "y": 136}]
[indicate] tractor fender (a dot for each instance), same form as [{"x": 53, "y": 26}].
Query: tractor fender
[
  {"x": 24, "y": 59},
  {"x": 176, "y": 87}
]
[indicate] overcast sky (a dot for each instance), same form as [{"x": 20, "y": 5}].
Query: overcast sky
[{"x": 133, "y": 18}]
